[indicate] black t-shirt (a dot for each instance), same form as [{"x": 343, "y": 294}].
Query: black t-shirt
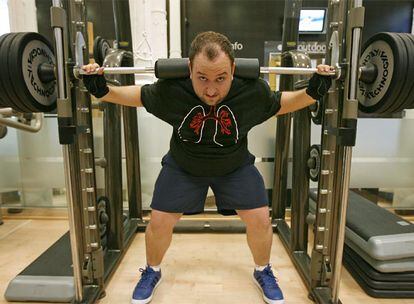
[{"x": 210, "y": 140}]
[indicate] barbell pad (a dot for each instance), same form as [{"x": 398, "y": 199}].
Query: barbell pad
[
  {"x": 248, "y": 68},
  {"x": 173, "y": 68}
]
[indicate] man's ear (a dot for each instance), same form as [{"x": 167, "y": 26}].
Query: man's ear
[
  {"x": 233, "y": 68},
  {"x": 189, "y": 68}
]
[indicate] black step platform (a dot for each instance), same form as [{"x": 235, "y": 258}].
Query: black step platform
[
  {"x": 48, "y": 279},
  {"x": 380, "y": 233},
  {"x": 374, "y": 292},
  {"x": 375, "y": 275},
  {"x": 375, "y": 284}
]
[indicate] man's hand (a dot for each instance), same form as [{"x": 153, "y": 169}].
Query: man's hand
[
  {"x": 95, "y": 83},
  {"x": 320, "y": 82},
  {"x": 324, "y": 69}
]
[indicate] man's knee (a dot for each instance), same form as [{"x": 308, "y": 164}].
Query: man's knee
[
  {"x": 256, "y": 218},
  {"x": 163, "y": 220},
  {"x": 260, "y": 223}
]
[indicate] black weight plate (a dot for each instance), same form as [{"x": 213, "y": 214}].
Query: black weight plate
[
  {"x": 316, "y": 115},
  {"x": 7, "y": 81},
  {"x": 3, "y": 131},
  {"x": 383, "y": 50},
  {"x": 410, "y": 100},
  {"x": 399, "y": 100},
  {"x": 16, "y": 84},
  {"x": 31, "y": 50},
  {"x": 96, "y": 52},
  {"x": 4, "y": 99},
  {"x": 315, "y": 156},
  {"x": 104, "y": 219},
  {"x": 409, "y": 81},
  {"x": 104, "y": 49},
  {"x": 400, "y": 68}
]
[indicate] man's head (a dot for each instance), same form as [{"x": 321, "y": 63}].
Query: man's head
[{"x": 211, "y": 66}]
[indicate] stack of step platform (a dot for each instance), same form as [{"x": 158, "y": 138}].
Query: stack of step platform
[{"x": 379, "y": 248}]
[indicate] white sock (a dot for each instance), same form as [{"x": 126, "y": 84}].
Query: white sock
[
  {"x": 155, "y": 268},
  {"x": 261, "y": 268}
]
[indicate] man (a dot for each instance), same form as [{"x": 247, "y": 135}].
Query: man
[{"x": 211, "y": 114}]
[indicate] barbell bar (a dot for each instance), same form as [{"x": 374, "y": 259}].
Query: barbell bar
[
  {"x": 151, "y": 70},
  {"x": 28, "y": 65}
]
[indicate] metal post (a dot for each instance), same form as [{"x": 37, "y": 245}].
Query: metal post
[
  {"x": 90, "y": 250},
  {"x": 290, "y": 34},
  {"x": 69, "y": 153},
  {"x": 130, "y": 120},
  {"x": 60, "y": 58},
  {"x": 130, "y": 117},
  {"x": 122, "y": 24},
  {"x": 73, "y": 231},
  {"x": 336, "y": 277},
  {"x": 113, "y": 173},
  {"x": 300, "y": 180},
  {"x": 350, "y": 110},
  {"x": 115, "y": 10}
]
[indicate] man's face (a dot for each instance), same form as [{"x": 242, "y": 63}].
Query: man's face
[{"x": 211, "y": 78}]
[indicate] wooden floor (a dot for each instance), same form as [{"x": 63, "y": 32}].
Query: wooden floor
[{"x": 198, "y": 268}]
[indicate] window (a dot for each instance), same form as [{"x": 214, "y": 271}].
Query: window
[{"x": 4, "y": 17}]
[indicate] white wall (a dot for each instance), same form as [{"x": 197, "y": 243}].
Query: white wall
[
  {"x": 149, "y": 30},
  {"x": 4, "y": 17},
  {"x": 22, "y": 15}
]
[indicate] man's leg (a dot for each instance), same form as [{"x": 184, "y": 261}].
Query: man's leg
[
  {"x": 171, "y": 185},
  {"x": 259, "y": 237},
  {"x": 158, "y": 235},
  {"x": 259, "y": 233}
]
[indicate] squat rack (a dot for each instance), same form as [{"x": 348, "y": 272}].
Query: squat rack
[
  {"x": 92, "y": 266},
  {"x": 321, "y": 270}
]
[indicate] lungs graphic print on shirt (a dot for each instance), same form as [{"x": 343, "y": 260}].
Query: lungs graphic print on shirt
[{"x": 218, "y": 126}]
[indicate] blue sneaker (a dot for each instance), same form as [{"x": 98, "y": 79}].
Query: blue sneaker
[
  {"x": 145, "y": 288},
  {"x": 267, "y": 282}
]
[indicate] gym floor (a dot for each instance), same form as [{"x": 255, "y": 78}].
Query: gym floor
[{"x": 198, "y": 268}]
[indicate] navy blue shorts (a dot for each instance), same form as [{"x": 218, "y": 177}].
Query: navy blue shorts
[{"x": 179, "y": 192}]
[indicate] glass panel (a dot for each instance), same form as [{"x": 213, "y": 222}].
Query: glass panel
[
  {"x": 10, "y": 173},
  {"x": 41, "y": 165}
]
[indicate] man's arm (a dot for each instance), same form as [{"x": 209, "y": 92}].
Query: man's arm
[
  {"x": 317, "y": 88},
  {"x": 97, "y": 86},
  {"x": 126, "y": 96},
  {"x": 293, "y": 101}
]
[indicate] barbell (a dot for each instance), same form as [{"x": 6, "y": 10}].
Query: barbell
[
  {"x": 248, "y": 64},
  {"x": 28, "y": 81}
]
